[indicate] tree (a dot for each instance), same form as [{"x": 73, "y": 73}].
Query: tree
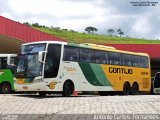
[
  {"x": 36, "y": 25},
  {"x": 110, "y": 31},
  {"x": 65, "y": 29},
  {"x": 27, "y": 23},
  {"x": 91, "y": 29},
  {"x": 120, "y": 32}
]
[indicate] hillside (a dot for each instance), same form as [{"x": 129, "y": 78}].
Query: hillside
[{"x": 76, "y": 37}]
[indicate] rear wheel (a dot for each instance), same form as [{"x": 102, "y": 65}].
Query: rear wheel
[
  {"x": 126, "y": 89},
  {"x": 5, "y": 88},
  {"x": 135, "y": 89},
  {"x": 67, "y": 89}
]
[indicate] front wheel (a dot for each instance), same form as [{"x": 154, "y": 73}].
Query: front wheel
[
  {"x": 67, "y": 89},
  {"x": 5, "y": 88}
]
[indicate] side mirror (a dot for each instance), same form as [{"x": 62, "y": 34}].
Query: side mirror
[{"x": 41, "y": 55}]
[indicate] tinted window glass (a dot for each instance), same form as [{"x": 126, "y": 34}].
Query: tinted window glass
[
  {"x": 127, "y": 60},
  {"x": 52, "y": 61},
  {"x": 13, "y": 60},
  {"x": 135, "y": 61},
  {"x": 101, "y": 57},
  {"x": 144, "y": 62},
  {"x": 32, "y": 48},
  {"x": 3, "y": 63},
  {"x": 87, "y": 55},
  {"x": 114, "y": 58},
  {"x": 71, "y": 53}
]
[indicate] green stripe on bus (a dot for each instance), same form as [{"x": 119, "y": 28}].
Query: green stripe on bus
[
  {"x": 100, "y": 75},
  {"x": 89, "y": 74},
  {"x": 94, "y": 74}
]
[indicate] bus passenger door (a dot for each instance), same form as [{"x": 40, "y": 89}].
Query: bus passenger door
[{"x": 52, "y": 63}]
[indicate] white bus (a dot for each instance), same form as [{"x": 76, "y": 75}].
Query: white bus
[{"x": 49, "y": 66}]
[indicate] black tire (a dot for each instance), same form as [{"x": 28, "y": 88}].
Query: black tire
[
  {"x": 126, "y": 89},
  {"x": 5, "y": 88},
  {"x": 42, "y": 94},
  {"x": 67, "y": 89},
  {"x": 135, "y": 89}
]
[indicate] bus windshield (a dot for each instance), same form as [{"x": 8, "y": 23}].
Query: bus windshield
[
  {"x": 35, "y": 48},
  {"x": 28, "y": 64}
]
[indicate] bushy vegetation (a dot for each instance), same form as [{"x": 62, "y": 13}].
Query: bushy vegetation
[{"x": 76, "y": 37}]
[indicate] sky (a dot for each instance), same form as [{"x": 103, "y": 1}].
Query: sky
[{"x": 135, "y": 21}]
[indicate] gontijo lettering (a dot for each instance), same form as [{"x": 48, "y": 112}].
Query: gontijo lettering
[{"x": 120, "y": 70}]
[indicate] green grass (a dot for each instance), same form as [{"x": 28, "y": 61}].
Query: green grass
[{"x": 76, "y": 37}]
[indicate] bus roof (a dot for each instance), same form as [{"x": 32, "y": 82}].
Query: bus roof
[
  {"x": 6, "y": 55},
  {"x": 106, "y": 48},
  {"x": 39, "y": 42},
  {"x": 90, "y": 46}
]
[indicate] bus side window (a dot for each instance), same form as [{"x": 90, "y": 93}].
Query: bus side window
[
  {"x": 12, "y": 67},
  {"x": 135, "y": 61},
  {"x": 87, "y": 55},
  {"x": 101, "y": 57},
  {"x": 13, "y": 60},
  {"x": 144, "y": 62},
  {"x": 92, "y": 56},
  {"x": 52, "y": 61},
  {"x": 71, "y": 53},
  {"x": 3, "y": 63},
  {"x": 126, "y": 60},
  {"x": 114, "y": 58}
]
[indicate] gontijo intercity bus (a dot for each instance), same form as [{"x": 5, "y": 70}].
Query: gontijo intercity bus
[
  {"x": 7, "y": 62},
  {"x": 48, "y": 67}
]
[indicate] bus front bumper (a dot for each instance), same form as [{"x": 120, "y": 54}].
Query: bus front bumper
[
  {"x": 27, "y": 87},
  {"x": 52, "y": 86}
]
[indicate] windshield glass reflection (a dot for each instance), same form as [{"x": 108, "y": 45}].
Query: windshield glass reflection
[
  {"x": 28, "y": 64},
  {"x": 34, "y": 67},
  {"x": 32, "y": 48}
]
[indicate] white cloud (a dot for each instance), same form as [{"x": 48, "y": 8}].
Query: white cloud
[
  {"x": 64, "y": 13},
  {"x": 78, "y": 14},
  {"x": 142, "y": 25},
  {"x": 58, "y": 8}
]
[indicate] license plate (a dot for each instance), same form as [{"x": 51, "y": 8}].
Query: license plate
[{"x": 25, "y": 87}]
